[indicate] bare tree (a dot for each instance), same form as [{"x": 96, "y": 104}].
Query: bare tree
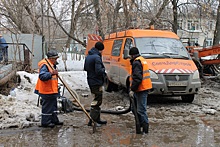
[
  {"x": 164, "y": 4},
  {"x": 69, "y": 33},
  {"x": 15, "y": 14}
]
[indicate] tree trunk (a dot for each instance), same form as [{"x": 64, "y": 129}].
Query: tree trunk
[
  {"x": 72, "y": 25},
  {"x": 115, "y": 16},
  {"x": 98, "y": 17},
  {"x": 174, "y": 24},
  {"x": 217, "y": 27}
]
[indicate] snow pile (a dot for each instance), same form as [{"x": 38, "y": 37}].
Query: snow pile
[{"x": 21, "y": 110}]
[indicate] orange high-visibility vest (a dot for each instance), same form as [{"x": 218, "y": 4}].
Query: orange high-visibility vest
[
  {"x": 49, "y": 86},
  {"x": 146, "y": 81}
]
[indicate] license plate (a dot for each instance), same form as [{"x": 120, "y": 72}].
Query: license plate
[{"x": 177, "y": 83}]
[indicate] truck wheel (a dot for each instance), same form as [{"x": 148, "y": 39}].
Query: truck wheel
[
  {"x": 108, "y": 85},
  {"x": 188, "y": 98}
]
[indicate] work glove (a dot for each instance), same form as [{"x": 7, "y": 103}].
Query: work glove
[
  {"x": 131, "y": 94},
  {"x": 54, "y": 72}
]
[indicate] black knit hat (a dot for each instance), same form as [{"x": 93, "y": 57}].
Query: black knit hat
[
  {"x": 133, "y": 51},
  {"x": 99, "y": 46},
  {"x": 52, "y": 54}
]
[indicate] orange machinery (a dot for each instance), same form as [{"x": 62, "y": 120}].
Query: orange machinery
[
  {"x": 204, "y": 52},
  {"x": 209, "y": 66}
]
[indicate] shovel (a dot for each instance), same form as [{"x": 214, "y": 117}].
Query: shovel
[{"x": 73, "y": 95}]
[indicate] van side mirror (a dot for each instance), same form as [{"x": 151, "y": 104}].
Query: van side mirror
[{"x": 126, "y": 54}]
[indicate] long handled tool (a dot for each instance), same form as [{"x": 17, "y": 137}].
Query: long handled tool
[
  {"x": 72, "y": 94},
  {"x": 38, "y": 101},
  {"x": 137, "y": 122}
]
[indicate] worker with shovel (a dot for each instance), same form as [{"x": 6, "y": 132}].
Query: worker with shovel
[
  {"x": 140, "y": 84},
  {"x": 95, "y": 77},
  {"x": 47, "y": 88}
]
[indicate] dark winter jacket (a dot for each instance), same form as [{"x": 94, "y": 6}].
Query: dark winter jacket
[
  {"x": 137, "y": 73},
  {"x": 95, "y": 68}
]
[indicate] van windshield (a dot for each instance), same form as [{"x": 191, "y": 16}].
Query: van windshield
[{"x": 161, "y": 47}]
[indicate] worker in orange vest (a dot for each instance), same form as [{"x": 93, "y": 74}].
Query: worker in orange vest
[
  {"x": 47, "y": 88},
  {"x": 140, "y": 83}
]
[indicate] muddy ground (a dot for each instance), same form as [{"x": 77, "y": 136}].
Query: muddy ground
[{"x": 172, "y": 124}]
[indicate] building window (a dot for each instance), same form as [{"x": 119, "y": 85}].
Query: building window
[
  {"x": 193, "y": 25},
  {"x": 208, "y": 42},
  {"x": 193, "y": 41},
  {"x": 189, "y": 25},
  {"x": 196, "y": 24}
]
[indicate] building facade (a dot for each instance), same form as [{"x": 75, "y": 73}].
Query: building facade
[{"x": 196, "y": 30}]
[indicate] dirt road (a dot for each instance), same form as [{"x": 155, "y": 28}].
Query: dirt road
[{"x": 172, "y": 123}]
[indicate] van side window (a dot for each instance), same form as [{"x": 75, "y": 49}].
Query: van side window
[
  {"x": 128, "y": 44},
  {"x": 117, "y": 47}
]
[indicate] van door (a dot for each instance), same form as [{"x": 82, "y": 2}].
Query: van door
[
  {"x": 115, "y": 60},
  {"x": 125, "y": 62}
]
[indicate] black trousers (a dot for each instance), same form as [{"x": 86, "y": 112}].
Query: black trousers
[{"x": 49, "y": 109}]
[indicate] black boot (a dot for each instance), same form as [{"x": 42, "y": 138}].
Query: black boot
[
  {"x": 97, "y": 124},
  {"x": 102, "y": 122},
  {"x": 145, "y": 127},
  {"x": 90, "y": 123},
  {"x": 51, "y": 125},
  {"x": 94, "y": 113},
  {"x": 138, "y": 128},
  {"x": 99, "y": 121}
]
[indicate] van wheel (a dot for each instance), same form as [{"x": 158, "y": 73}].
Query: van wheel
[
  {"x": 188, "y": 98},
  {"x": 108, "y": 85}
]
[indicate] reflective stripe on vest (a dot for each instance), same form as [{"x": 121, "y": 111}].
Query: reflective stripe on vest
[
  {"x": 49, "y": 86},
  {"x": 146, "y": 81}
]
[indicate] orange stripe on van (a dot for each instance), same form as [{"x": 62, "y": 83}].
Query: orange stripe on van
[
  {"x": 174, "y": 71},
  {"x": 94, "y": 37}
]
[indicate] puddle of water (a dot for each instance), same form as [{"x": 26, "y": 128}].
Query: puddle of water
[{"x": 116, "y": 133}]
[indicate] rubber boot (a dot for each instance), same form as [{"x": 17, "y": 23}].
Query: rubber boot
[
  {"x": 99, "y": 121},
  {"x": 138, "y": 128},
  {"x": 145, "y": 127},
  {"x": 90, "y": 123},
  {"x": 94, "y": 114}
]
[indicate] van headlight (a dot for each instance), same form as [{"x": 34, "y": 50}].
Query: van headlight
[
  {"x": 153, "y": 75},
  {"x": 196, "y": 75}
]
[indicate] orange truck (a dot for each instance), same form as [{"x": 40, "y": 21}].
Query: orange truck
[{"x": 172, "y": 70}]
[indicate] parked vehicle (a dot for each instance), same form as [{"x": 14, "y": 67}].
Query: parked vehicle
[{"x": 172, "y": 70}]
